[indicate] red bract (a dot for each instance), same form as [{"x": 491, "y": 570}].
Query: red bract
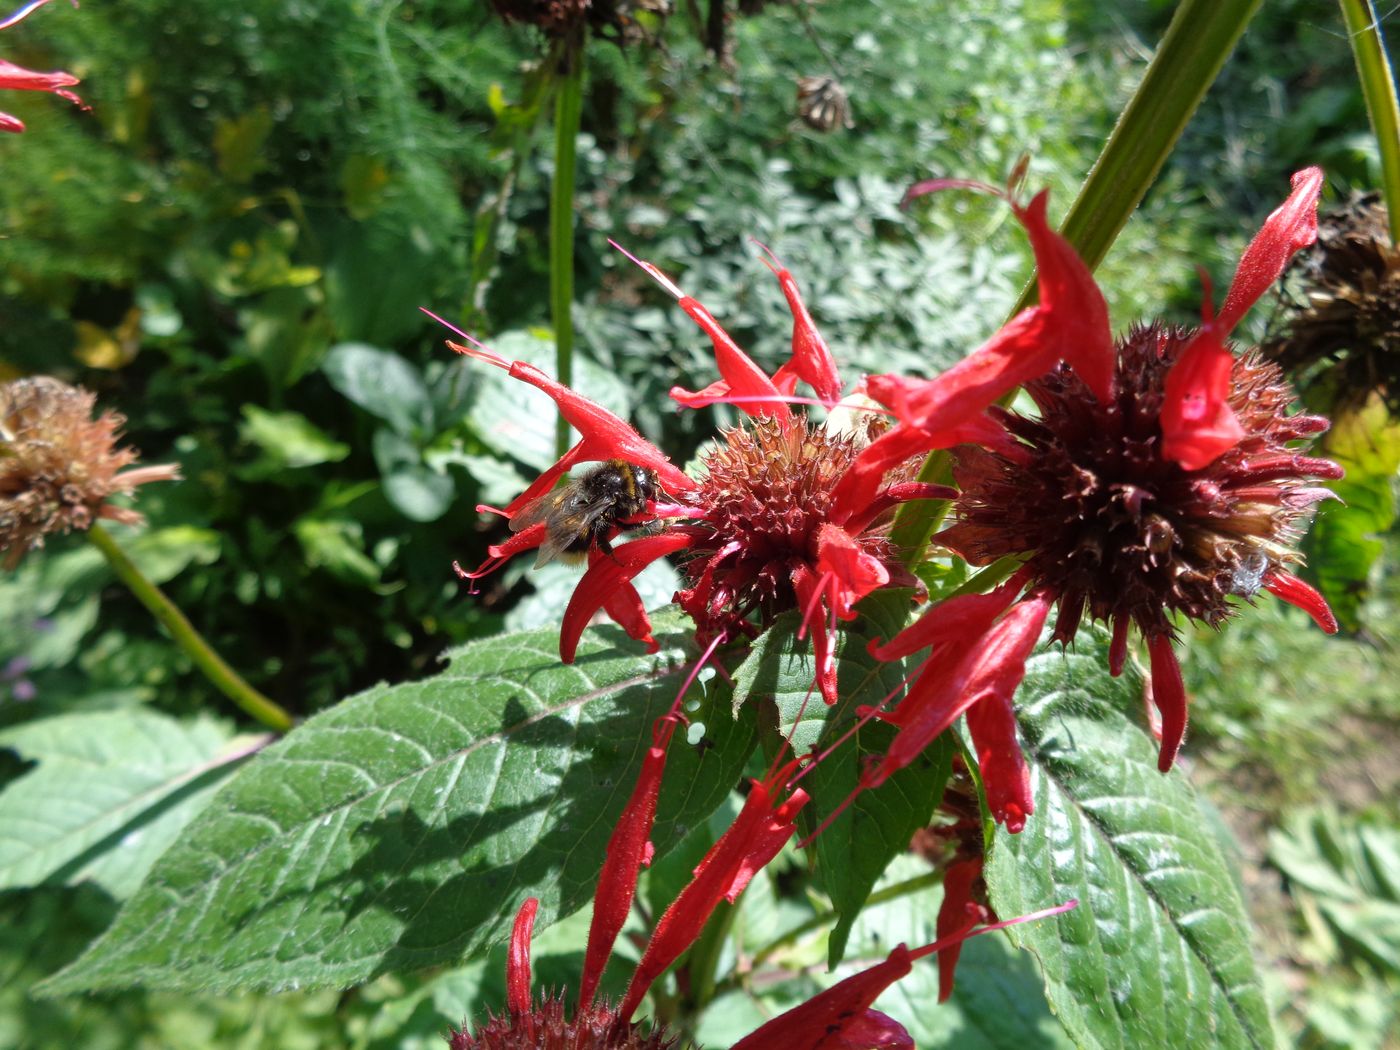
[{"x": 17, "y": 78}]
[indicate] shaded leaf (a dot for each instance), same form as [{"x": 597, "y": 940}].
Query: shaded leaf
[
  {"x": 1158, "y": 952},
  {"x": 110, "y": 792},
  {"x": 288, "y": 440},
  {"x": 402, "y": 828}
]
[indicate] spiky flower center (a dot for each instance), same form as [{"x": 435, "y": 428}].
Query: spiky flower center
[
  {"x": 1112, "y": 527},
  {"x": 546, "y": 1027},
  {"x": 765, "y": 495}
]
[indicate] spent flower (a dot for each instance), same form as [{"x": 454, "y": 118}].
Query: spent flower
[{"x": 59, "y": 466}]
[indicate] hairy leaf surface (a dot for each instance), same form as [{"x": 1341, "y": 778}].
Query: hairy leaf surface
[
  {"x": 1158, "y": 951},
  {"x": 402, "y": 828}
]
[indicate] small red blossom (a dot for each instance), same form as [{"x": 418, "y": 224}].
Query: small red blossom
[{"x": 17, "y": 78}]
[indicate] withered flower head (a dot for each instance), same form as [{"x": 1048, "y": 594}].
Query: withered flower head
[
  {"x": 1113, "y": 528},
  {"x": 59, "y": 466},
  {"x": 822, "y": 103},
  {"x": 1342, "y": 336}
]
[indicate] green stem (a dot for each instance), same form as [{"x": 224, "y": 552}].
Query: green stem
[
  {"x": 568, "y": 108},
  {"x": 1199, "y": 40},
  {"x": 1378, "y": 88},
  {"x": 224, "y": 677}
]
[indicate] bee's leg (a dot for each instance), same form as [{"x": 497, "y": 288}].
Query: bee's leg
[{"x": 604, "y": 544}]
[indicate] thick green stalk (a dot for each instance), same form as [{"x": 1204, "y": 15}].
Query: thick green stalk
[
  {"x": 224, "y": 677},
  {"x": 568, "y": 108},
  {"x": 1378, "y": 88},
  {"x": 1199, "y": 40}
]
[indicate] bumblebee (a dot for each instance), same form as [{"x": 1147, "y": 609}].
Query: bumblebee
[{"x": 579, "y": 516}]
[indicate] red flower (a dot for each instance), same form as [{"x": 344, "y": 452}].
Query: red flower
[
  {"x": 765, "y": 529},
  {"x": 17, "y": 78},
  {"x": 1131, "y": 509}
]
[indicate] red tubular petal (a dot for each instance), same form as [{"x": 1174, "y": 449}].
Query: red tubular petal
[
  {"x": 1005, "y": 775},
  {"x": 744, "y": 378},
  {"x": 1118, "y": 647},
  {"x": 602, "y": 587},
  {"x": 952, "y": 621},
  {"x": 854, "y": 570},
  {"x": 810, "y": 588},
  {"x": 816, "y": 1023},
  {"x": 1197, "y": 421},
  {"x": 1291, "y": 226},
  {"x": 757, "y": 834},
  {"x": 524, "y": 540},
  {"x": 1069, "y": 294},
  {"x": 10, "y": 123},
  {"x": 1299, "y": 594},
  {"x": 604, "y": 435},
  {"x": 17, "y": 78},
  {"x": 1169, "y": 696},
  {"x": 958, "y": 913},
  {"x": 893, "y": 496},
  {"x": 986, "y": 666},
  {"x": 811, "y": 357},
  {"x": 628, "y": 850},
  {"x": 518, "y": 958}
]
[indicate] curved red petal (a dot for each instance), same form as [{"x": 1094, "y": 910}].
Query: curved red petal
[
  {"x": 627, "y": 853},
  {"x": 744, "y": 378},
  {"x": 1072, "y": 300},
  {"x": 1169, "y": 697},
  {"x": 958, "y": 913},
  {"x": 1196, "y": 419},
  {"x": 1301, "y": 595},
  {"x": 1291, "y": 226},
  {"x": 755, "y": 837},
  {"x": 605, "y": 580},
  {"x": 811, "y": 358},
  {"x": 822, "y": 1018},
  {"x": 604, "y": 435}
]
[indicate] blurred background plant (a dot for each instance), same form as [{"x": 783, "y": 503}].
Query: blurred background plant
[{"x": 230, "y": 250}]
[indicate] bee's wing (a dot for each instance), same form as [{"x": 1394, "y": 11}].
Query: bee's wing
[
  {"x": 538, "y": 510},
  {"x": 571, "y": 517}
]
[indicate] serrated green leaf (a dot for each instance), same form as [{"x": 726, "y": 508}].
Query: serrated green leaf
[
  {"x": 402, "y": 828},
  {"x": 853, "y": 851},
  {"x": 111, "y": 791},
  {"x": 1158, "y": 951}
]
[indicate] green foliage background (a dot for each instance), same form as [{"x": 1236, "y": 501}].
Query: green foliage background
[{"x": 231, "y": 247}]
